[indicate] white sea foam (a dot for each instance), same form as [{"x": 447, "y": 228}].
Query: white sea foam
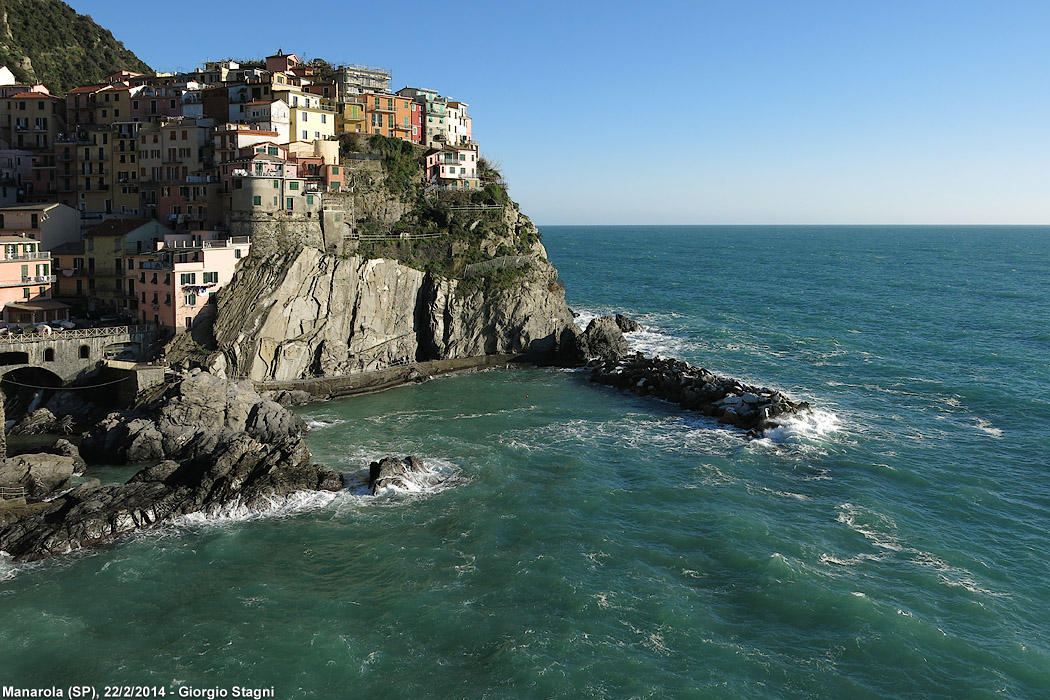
[
  {"x": 808, "y": 425},
  {"x": 322, "y": 422},
  {"x": 236, "y": 511},
  {"x": 880, "y": 531},
  {"x": 8, "y": 569},
  {"x": 987, "y": 428},
  {"x": 439, "y": 475}
]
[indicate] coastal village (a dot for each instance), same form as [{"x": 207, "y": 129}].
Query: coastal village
[{"x": 132, "y": 199}]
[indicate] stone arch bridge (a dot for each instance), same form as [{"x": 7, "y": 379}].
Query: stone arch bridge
[{"x": 72, "y": 354}]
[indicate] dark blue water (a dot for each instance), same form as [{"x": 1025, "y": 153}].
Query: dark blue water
[{"x": 578, "y": 543}]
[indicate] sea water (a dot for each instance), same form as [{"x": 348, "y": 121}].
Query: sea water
[{"x": 571, "y": 541}]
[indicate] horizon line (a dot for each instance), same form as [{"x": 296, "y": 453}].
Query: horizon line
[{"x": 801, "y": 224}]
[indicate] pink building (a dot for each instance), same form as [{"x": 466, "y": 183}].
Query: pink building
[
  {"x": 154, "y": 102},
  {"x": 174, "y": 282},
  {"x": 453, "y": 167},
  {"x": 25, "y": 282}
]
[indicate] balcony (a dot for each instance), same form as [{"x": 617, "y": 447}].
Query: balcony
[
  {"x": 30, "y": 256},
  {"x": 38, "y": 279}
]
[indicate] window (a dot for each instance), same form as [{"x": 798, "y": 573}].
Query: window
[
  {"x": 276, "y": 184},
  {"x": 303, "y": 115},
  {"x": 292, "y": 185},
  {"x": 309, "y": 199},
  {"x": 237, "y": 253},
  {"x": 306, "y": 134},
  {"x": 289, "y": 202},
  {"x": 85, "y": 352},
  {"x": 271, "y": 150},
  {"x": 211, "y": 278},
  {"x": 257, "y": 200},
  {"x": 189, "y": 300},
  {"x": 25, "y": 292},
  {"x": 188, "y": 278},
  {"x": 335, "y": 171}
]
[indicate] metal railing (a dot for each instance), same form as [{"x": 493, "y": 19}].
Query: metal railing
[
  {"x": 12, "y": 492},
  {"x": 56, "y": 334},
  {"x": 29, "y": 256}
]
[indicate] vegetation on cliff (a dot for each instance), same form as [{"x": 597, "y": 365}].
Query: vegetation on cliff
[
  {"x": 46, "y": 41},
  {"x": 446, "y": 233}
]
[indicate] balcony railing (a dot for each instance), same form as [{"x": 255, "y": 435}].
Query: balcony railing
[
  {"x": 29, "y": 256},
  {"x": 26, "y": 280}
]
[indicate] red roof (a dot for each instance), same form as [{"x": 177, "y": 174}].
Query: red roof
[
  {"x": 35, "y": 94},
  {"x": 87, "y": 88}
]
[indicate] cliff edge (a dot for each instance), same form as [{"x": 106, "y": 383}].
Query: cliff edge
[{"x": 400, "y": 275}]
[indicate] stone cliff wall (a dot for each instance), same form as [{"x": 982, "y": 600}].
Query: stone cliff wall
[
  {"x": 323, "y": 315},
  {"x": 309, "y": 302}
]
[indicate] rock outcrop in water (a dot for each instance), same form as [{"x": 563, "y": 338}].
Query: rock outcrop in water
[
  {"x": 188, "y": 418},
  {"x": 694, "y": 388},
  {"x": 236, "y": 450},
  {"x": 391, "y": 471},
  {"x": 242, "y": 472}
]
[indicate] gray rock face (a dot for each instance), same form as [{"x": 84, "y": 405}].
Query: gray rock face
[
  {"x": 192, "y": 417},
  {"x": 604, "y": 340},
  {"x": 627, "y": 324},
  {"x": 242, "y": 471},
  {"x": 39, "y": 421},
  {"x": 41, "y": 475},
  {"x": 321, "y": 315}
]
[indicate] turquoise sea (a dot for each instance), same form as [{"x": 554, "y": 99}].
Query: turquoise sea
[{"x": 574, "y": 542}]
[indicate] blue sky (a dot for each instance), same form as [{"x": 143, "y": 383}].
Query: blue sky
[{"x": 729, "y": 112}]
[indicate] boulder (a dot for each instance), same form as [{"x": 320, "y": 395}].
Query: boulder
[
  {"x": 603, "y": 339},
  {"x": 242, "y": 472},
  {"x": 191, "y": 417},
  {"x": 627, "y": 324},
  {"x": 391, "y": 471},
  {"x": 41, "y": 475},
  {"x": 39, "y": 421}
]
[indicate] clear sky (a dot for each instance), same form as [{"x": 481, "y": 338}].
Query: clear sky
[{"x": 704, "y": 112}]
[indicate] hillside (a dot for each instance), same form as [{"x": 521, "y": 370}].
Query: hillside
[{"x": 46, "y": 41}]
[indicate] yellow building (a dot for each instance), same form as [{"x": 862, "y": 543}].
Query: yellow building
[
  {"x": 310, "y": 116},
  {"x": 351, "y": 117}
]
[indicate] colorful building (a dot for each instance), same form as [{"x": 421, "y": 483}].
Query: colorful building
[
  {"x": 172, "y": 283},
  {"x": 26, "y": 278},
  {"x": 453, "y": 167},
  {"x": 105, "y": 249},
  {"x": 51, "y": 224}
]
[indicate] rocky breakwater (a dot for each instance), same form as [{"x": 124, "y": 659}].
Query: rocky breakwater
[
  {"x": 735, "y": 403},
  {"x": 216, "y": 447},
  {"x": 755, "y": 409}
]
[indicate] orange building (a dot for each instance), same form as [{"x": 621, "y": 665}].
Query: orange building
[{"x": 393, "y": 116}]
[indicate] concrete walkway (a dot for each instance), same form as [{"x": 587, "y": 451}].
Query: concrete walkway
[{"x": 378, "y": 380}]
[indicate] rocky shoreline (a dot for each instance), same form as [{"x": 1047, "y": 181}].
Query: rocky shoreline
[{"x": 213, "y": 444}]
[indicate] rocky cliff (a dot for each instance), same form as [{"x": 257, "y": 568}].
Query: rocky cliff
[{"x": 437, "y": 276}]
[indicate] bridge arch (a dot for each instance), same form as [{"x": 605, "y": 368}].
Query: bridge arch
[{"x": 26, "y": 387}]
